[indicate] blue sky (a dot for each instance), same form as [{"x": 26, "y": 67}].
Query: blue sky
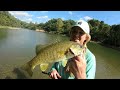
[{"x": 109, "y": 17}]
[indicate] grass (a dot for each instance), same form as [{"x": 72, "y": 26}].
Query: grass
[
  {"x": 7, "y": 27},
  {"x": 4, "y": 27}
]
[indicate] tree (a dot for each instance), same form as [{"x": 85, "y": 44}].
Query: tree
[
  {"x": 59, "y": 25},
  {"x": 67, "y": 26}
]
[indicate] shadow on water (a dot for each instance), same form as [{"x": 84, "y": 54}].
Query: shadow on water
[
  {"x": 20, "y": 74},
  {"x": 8, "y": 77}
]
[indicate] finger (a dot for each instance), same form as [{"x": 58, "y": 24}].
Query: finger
[
  {"x": 55, "y": 76},
  {"x": 51, "y": 75},
  {"x": 58, "y": 75},
  {"x": 76, "y": 61},
  {"x": 80, "y": 58}
]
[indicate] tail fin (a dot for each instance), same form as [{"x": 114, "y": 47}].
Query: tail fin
[{"x": 26, "y": 67}]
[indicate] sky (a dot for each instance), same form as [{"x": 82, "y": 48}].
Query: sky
[{"x": 109, "y": 17}]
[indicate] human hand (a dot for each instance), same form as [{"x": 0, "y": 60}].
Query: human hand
[
  {"x": 78, "y": 67},
  {"x": 55, "y": 75}
]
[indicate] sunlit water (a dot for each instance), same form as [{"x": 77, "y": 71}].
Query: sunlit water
[{"x": 18, "y": 46}]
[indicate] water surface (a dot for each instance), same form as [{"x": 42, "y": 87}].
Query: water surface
[{"x": 18, "y": 46}]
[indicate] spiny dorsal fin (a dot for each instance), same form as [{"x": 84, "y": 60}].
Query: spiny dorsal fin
[
  {"x": 42, "y": 46},
  {"x": 39, "y": 47}
]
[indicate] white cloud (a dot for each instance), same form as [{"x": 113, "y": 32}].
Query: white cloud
[
  {"x": 87, "y": 18},
  {"x": 81, "y": 18},
  {"x": 70, "y": 12},
  {"x": 63, "y": 18},
  {"x": 42, "y": 17},
  {"x": 20, "y": 13},
  {"x": 29, "y": 19}
]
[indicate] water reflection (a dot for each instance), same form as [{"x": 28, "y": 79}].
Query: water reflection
[
  {"x": 18, "y": 47},
  {"x": 20, "y": 74}
]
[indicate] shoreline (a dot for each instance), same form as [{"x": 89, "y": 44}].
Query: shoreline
[
  {"x": 8, "y": 27},
  {"x": 39, "y": 30},
  {"x": 16, "y": 28}
]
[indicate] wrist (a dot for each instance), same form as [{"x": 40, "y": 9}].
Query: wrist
[{"x": 80, "y": 76}]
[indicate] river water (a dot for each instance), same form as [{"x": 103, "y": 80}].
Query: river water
[{"x": 18, "y": 46}]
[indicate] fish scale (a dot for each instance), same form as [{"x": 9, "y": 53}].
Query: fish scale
[{"x": 53, "y": 53}]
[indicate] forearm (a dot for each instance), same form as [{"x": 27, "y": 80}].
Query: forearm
[{"x": 81, "y": 68}]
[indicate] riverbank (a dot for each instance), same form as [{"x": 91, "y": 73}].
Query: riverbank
[
  {"x": 38, "y": 30},
  {"x": 109, "y": 46},
  {"x": 8, "y": 27}
]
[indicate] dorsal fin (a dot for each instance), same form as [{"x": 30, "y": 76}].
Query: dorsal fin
[{"x": 41, "y": 46}]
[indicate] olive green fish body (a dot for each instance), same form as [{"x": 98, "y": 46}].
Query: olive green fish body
[{"x": 53, "y": 53}]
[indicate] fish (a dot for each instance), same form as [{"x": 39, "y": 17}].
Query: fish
[
  {"x": 39, "y": 47},
  {"x": 55, "y": 52}
]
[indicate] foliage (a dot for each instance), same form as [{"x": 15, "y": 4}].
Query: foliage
[
  {"x": 99, "y": 30},
  {"x": 105, "y": 33}
]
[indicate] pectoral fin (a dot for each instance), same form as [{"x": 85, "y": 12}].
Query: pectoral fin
[
  {"x": 64, "y": 62},
  {"x": 44, "y": 66}
]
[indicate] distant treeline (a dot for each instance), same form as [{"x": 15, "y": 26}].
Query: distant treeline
[
  {"x": 6, "y": 19},
  {"x": 100, "y": 31},
  {"x": 105, "y": 33}
]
